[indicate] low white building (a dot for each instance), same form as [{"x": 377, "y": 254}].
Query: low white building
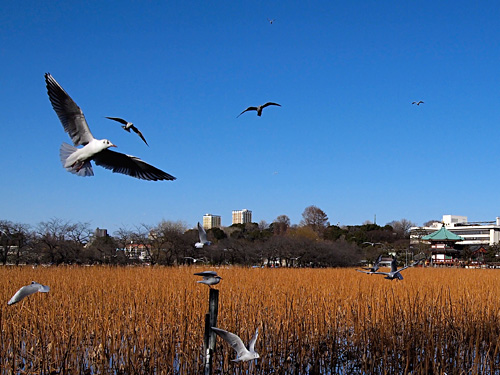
[{"x": 474, "y": 233}]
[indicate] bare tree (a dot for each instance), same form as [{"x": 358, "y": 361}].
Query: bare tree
[
  {"x": 402, "y": 227},
  {"x": 281, "y": 224},
  {"x": 315, "y": 218},
  {"x": 14, "y": 240}
]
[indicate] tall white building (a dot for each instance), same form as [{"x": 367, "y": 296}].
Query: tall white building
[
  {"x": 211, "y": 221},
  {"x": 474, "y": 233},
  {"x": 242, "y": 216}
]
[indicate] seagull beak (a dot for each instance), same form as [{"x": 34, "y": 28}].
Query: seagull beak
[{"x": 113, "y": 145}]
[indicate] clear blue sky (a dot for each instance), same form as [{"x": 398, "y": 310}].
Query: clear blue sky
[{"x": 346, "y": 139}]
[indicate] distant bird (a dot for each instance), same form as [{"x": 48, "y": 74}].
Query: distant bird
[
  {"x": 375, "y": 267},
  {"x": 77, "y": 160},
  {"x": 28, "y": 290},
  {"x": 209, "y": 278},
  {"x": 243, "y": 354},
  {"x": 127, "y": 126},
  {"x": 271, "y": 20},
  {"x": 372, "y": 243},
  {"x": 259, "y": 108},
  {"x": 194, "y": 260},
  {"x": 395, "y": 273},
  {"x": 418, "y": 103},
  {"x": 203, "y": 238}
]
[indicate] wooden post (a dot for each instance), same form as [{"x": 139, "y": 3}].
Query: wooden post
[{"x": 210, "y": 336}]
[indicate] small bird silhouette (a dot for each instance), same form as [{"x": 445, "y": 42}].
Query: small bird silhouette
[
  {"x": 259, "y": 108},
  {"x": 418, "y": 103},
  {"x": 271, "y": 20},
  {"x": 127, "y": 126}
]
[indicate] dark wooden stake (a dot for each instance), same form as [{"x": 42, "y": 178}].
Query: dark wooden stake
[{"x": 210, "y": 336}]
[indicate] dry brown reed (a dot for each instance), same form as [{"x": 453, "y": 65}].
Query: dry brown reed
[{"x": 150, "y": 320}]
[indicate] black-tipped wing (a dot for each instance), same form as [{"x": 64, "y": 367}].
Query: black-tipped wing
[
  {"x": 120, "y": 120},
  {"x": 130, "y": 165},
  {"x": 139, "y": 134},
  {"x": 270, "y": 103},
  {"x": 202, "y": 234},
  {"x": 70, "y": 115},
  {"x": 248, "y": 109}
]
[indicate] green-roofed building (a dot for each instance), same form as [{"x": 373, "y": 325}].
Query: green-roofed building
[{"x": 443, "y": 245}]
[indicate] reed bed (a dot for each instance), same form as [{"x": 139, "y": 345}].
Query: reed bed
[{"x": 134, "y": 320}]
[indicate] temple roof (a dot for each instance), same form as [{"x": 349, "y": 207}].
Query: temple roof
[{"x": 442, "y": 235}]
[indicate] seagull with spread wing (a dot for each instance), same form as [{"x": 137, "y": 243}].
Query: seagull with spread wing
[
  {"x": 395, "y": 273},
  {"x": 203, "y": 238},
  {"x": 259, "y": 108},
  {"x": 375, "y": 267},
  {"x": 128, "y": 126},
  {"x": 243, "y": 354},
  {"x": 77, "y": 160},
  {"x": 418, "y": 103},
  {"x": 209, "y": 278},
  {"x": 28, "y": 290}
]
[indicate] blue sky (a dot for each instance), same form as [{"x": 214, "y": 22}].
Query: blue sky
[{"x": 346, "y": 139}]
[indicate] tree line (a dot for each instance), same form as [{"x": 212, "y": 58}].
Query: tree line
[{"x": 314, "y": 242}]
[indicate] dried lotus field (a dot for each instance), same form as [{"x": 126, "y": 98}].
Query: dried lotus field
[{"x": 134, "y": 320}]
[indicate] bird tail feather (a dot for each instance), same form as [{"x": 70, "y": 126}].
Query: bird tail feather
[{"x": 65, "y": 152}]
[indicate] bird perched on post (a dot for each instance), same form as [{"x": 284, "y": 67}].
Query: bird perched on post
[
  {"x": 209, "y": 278},
  {"x": 128, "y": 126},
  {"x": 259, "y": 108},
  {"x": 243, "y": 354}
]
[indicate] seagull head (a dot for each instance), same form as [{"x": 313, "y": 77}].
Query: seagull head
[{"x": 107, "y": 144}]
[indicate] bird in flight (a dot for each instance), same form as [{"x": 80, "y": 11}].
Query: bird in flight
[
  {"x": 259, "y": 108},
  {"x": 418, "y": 103},
  {"x": 77, "y": 160},
  {"x": 243, "y": 354},
  {"x": 375, "y": 267},
  {"x": 209, "y": 278},
  {"x": 203, "y": 238},
  {"x": 395, "y": 273},
  {"x": 28, "y": 290},
  {"x": 129, "y": 126},
  {"x": 271, "y": 20}
]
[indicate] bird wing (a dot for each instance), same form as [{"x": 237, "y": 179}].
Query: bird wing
[
  {"x": 120, "y": 120},
  {"x": 364, "y": 271},
  {"x": 130, "y": 165},
  {"x": 394, "y": 266},
  {"x": 26, "y": 291},
  {"x": 405, "y": 267},
  {"x": 202, "y": 234},
  {"x": 206, "y": 273},
  {"x": 251, "y": 344},
  {"x": 270, "y": 103},
  {"x": 138, "y": 133},
  {"x": 232, "y": 340},
  {"x": 70, "y": 115},
  {"x": 380, "y": 273},
  {"x": 248, "y": 109}
]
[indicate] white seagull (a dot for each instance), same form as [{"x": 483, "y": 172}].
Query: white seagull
[
  {"x": 203, "y": 238},
  {"x": 259, "y": 108},
  {"x": 209, "y": 278},
  {"x": 128, "y": 126},
  {"x": 28, "y": 290},
  {"x": 77, "y": 160},
  {"x": 395, "y": 273},
  {"x": 243, "y": 354}
]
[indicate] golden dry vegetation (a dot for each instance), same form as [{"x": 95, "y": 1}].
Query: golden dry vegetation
[{"x": 130, "y": 320}]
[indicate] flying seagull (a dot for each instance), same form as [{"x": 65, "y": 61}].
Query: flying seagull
[
  {"x": 127, "y": 126},
  {"x": 395, "y": 273},
  {"x": 203, "y": 238},
  {"x": 27, "y": 290},
  {"x": 77, "y": 160},
  {"x": 194, "y": 260},
  {"x": 243, "y": 354},
  {"x": 209, "y": 278},
  {"x": 271, "y": 20},
  {"x": 418, "y": 103},
  {"x": 375, "y": 267},
  {"x": 259, "y": 108}
]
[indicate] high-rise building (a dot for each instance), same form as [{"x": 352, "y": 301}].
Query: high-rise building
[
  {"x": 242, "y": 216},
  {"x": 211, "y": 221}
]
